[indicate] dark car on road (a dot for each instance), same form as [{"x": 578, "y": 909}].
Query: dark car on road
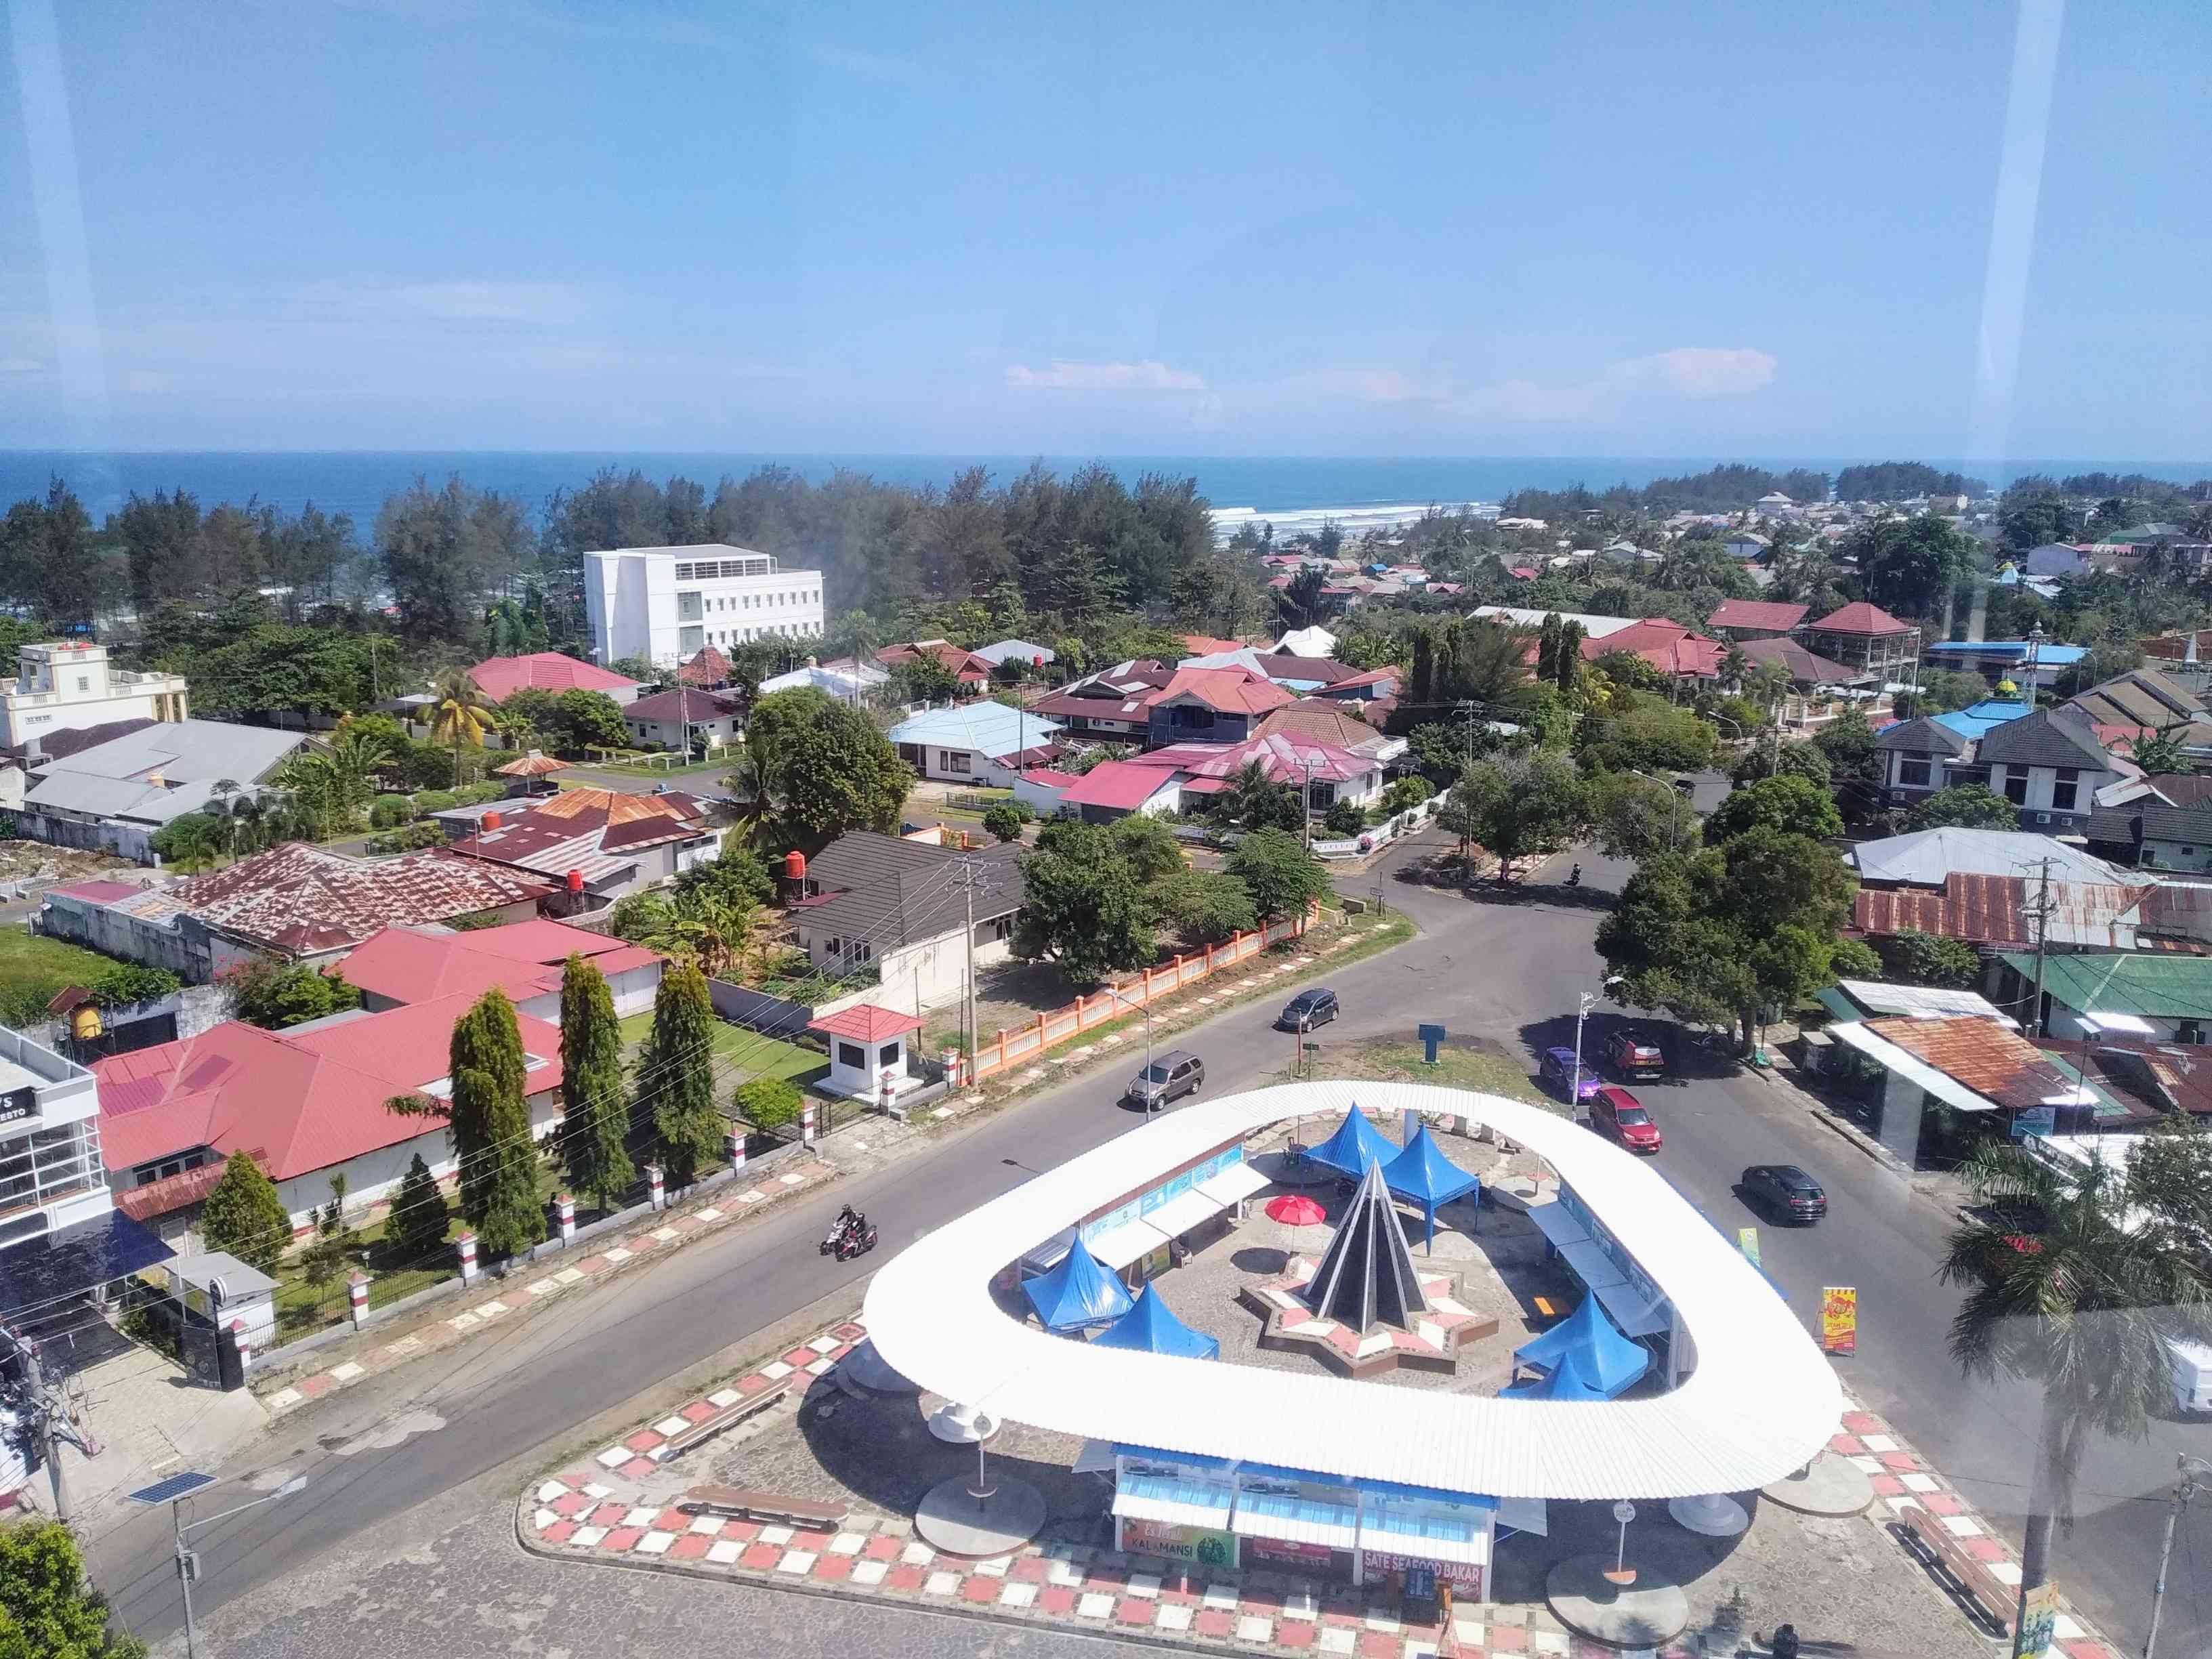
[
  {"x": 1634, "y": 1052},
  {"x": 1785, "y": 1191},
  {"x": 1620, "y": 1114},
  {"x": 1559, "y": 1069},
  {"x": 1166, "y": 1080},
  {"x": 1307, "y": 1010}
]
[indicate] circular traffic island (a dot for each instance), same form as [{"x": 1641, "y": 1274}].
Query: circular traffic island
[{"x": 1583, "y": 1596}]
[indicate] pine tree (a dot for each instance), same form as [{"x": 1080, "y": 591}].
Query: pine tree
[
  {"x": 244, "y": 1216},
  {"x": 597, "y": 1121},
  {"x": 420, "y": 1216},
  {"x": 486, "y": 1041},
  {"x": 676, "y": 1075}
]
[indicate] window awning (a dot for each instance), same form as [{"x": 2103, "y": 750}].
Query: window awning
[
  {"x": 1117, "y": 1247},
  {"x": 1175, "y": 1503},
  {"x": 1910, "y": 1067},
  {"x": 1296, "y": 1520},
  {"x": 1186, "y": 1210},
  {"x": 1429, "y": 1534},
  {"x": 1240, "y": 1180}
]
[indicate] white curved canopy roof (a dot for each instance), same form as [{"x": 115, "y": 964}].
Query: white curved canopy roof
[{"x": 1762, "y": 1402}]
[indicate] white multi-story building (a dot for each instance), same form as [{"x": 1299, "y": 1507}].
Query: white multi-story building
[
  {"x": 61, "y": 686},
  {"x": 665, "y": 604},
  {"x": 51, "y": 1174}
]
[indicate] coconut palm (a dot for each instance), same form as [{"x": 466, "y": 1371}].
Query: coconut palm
[
  {"x": 751, "y": 782},
  {"x": 461, "y": 714},
  {"x": 2072, "y": 1277}
]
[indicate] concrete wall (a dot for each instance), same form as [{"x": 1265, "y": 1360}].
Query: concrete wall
[
  {"x": 178, "y": 943},
  {"x": 932, "y": 973}
]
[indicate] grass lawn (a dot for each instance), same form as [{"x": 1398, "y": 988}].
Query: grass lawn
[
  {"x": 1460, "y": 1065},
  {"x": 31, "y": 962},
  {"x": 738, "y": 1050}
]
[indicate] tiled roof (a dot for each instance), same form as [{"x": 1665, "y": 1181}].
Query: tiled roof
[
  {"x": 303, "y": 899},
  {"x": 1994, "y": 1063},
  {"x": 963, "y": 665},
  {"x": 1117, "y": 785},
  {"x": 500, "y": 677},
  {"x": 867, "y": 1023},
  {"x": 1860, "y": 617},
  {"x": 299, "y": 1101},
  {"x": 1757, "y": 613},
  {"x": 708, "y": 667},
  {"x": 1203, "y": 644},
  {"x": 1285, "y": 756},
  {"x": 2147, "y": 819},
  {"x": 524, "y": 958},
  {"x": 1225, "y": 690},
  {"x": 893, "y": 891},
  {"x": 1667, "y": 646},
  {"x": 1804, "y": 667},
  {"x": 586, "y": 829},
  {"x": 1317, "y": 719},
  {"x": 684, "y": 703}
]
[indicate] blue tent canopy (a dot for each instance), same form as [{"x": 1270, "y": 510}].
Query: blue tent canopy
[
  {"x": 1150, "y": 1327},
  {"x": 1078, "y": 1292},
  {"x": 1356, "y": 1144},
  {"x": 1570, "y": 1379},
  {"x": 1422, "y": 1174},
  {"x": 1587, "y": 1339}
]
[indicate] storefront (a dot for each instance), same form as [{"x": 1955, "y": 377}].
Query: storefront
[
  {"x": 1174, "y": 1508},
  {"x": 1138, "y": 1236},
  {"x": 1614, "y": 1276},
  {"x": 1413, "y": 1541},
  {"x": 1297, "y": 1522}
]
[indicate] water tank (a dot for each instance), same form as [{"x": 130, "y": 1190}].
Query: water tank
[
  {"x": 575, "y": 881},
  {"x": 85, "y": 1023},
  {"x": 492, "y": 820},
  {"x": 794, "y": 865}
]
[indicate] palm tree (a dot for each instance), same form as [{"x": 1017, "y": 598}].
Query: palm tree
[
  {"x": 751, "y": 782},
  {"x": 462, "y": 715},
  {"x": 2079, "y": 1304}
]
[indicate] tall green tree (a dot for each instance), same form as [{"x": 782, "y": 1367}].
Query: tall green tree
[
  {"x": 1794, "y": 804},
  {"x": 244, "y": 1215},
  {"x": 595, "y": 1124},
  {"x": 420, "y": 1217},
  {"x": 1637, "y": 817},
  {"x": 676, "y": 1075},
  {"x": 1275, "y": 868},
  {"x": 2080, "y": 1308},
  {"x": 48, "y": 562},
  {"x": 1083, "y": 906},
  {"x": 1519, "y": 806},
  {"x": 48, "y": 1608},
  {"x": 824, "y": 766},
  {"x": 461, "y": 716},
  {"x": 1966, "y": 806},
  {"x": 490, "y": 1117}
]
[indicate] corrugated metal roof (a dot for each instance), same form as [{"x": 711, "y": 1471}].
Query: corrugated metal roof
[
  {"x": 296, "y": 889},
  {"x": 1925, "y": 857},
  {"x": 1761, "y": 1401},
  {"x": 2152, "y": 987},
  {"x": 1984, "y": 909},
  {"x": 1996, "y": 1064}
]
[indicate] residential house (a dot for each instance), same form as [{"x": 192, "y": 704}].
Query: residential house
[
  {"x": 1016, "y": 651},
  {"x": 1206, "y": 645},
  {"x": 1314, "y": 642},
  {"x": 1323, "y": 721},
  {"x": 1594, "y": 627},
  {"x": 1669, "y": 647},
  {"x": 500, "y": 677},
  {"x": 663, "y": 603},
  {"x": 18, "y": 761},
  {"x": 1946, "y": 1084},
  {"x": 686, "y": 719},
  {"x": 309, "y": 1102},
  {"x": 1112, "y": 705},
  {"x": 708, "y": 669},
  {"x": 1777, "y": 505},
  {"x": 1816, "y": 685},
  {"x": 296, "y": 903},
  {"x": 2020, "y": 661},
  {"x": 1375, "y": 690},
  {"x": 1755, "y": 619},
  {"x": 116, "y": 796},
  {"x": 396, "y": 967},
  {"x": 1114, "y": 789},
  {"x": 1212, "y": 705},
  {"x": 846, "y": 680},
  {"x": 64, "y": 685},
  {"x": 2162, "y": 822},
  {"x": 1863, "y": 636},
  {"x": 971, "y": 669},
  {"x": 2169, "y": 992},
  {"x": 2010, "y": 912},
  {"x": 599, "y": 843},
  {"x": 1927, "y": 857},
  {"x": 1040, "y": 788},
  {"x": 1287, "y": 668},
  {"x": 1325, "y": 773},
  {"x": 52, "y": 1176},
  {"x": 983, "y": 744},
  {"x": 1920, "y": 756},
  {"x": 2151, "y": 699},
  {"x": 2048, "y": 764},
  {"x": 1746, "y": 544},
  {"x": 901, "y": 906}
]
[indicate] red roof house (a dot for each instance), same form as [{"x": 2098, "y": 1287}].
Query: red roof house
[
  {"x": 1863, "y": 636},
  {"x": 1668, "y": 646},
  {"x": 1755, "y": 618},
  {"x": 1860, "y": 617},
  {"x": 965, "y": 666},
  {"x": 1113, "y": 789},
  {"x": 500, "y": 677},
  {"x": 398, "y": 966}
]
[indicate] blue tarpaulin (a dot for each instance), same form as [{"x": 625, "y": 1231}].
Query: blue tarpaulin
[
  {"x": 1356, "y": 1144},
  {"x": 1422, "y": 1174},
  {"x": 1570, "y": 1379},
  {"x": 1606, "y": 1359},
  {"x": 1078, "y": 1292},
  {"x": 1150, "y": 1327}
]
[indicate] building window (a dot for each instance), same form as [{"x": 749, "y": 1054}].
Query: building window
[
  {"x": 1002, "y": 928},
  {"x": 2015, "y": 787},
  {"x": 852, "y": 1054},
  {"x": 888, "y": 1054},
  {"x": 952, "y": 760},
  {"x": 1913, "y": 773},
  {"x": 2067, "y": 790}
]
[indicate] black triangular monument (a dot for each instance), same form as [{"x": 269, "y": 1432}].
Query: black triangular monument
[{"x": 1367, "y": 1275}]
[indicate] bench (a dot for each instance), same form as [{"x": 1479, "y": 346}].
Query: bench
[
  {"x": 729, "y": 1417},
  {"x": 1979, "y": 1581},
  {"x": 772, "y": 1507}
]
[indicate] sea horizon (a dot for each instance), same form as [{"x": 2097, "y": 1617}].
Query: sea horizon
[{"x": 356, "y": 481}]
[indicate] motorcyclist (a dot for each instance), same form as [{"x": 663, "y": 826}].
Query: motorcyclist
[
  {"x": 1575, "y": 877},
  {"x": 1785, "y": 1642},
  {"x": 850, "y": 1223}
]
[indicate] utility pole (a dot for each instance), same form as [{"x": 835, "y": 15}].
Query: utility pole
[
  {"x": 46, "y": 1408},
  {"x": 968, "y": 873},
  {"x": 2191, "y": 1469},
  {"x": 1305, "y": 801},
  {"x": 2041, "y": 945}
]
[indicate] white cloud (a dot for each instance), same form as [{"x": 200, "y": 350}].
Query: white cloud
[
  {"x": 529, "y": 304},
  {"x": 1702, "y": 371},
  {"x": 1063, "y": 376}
]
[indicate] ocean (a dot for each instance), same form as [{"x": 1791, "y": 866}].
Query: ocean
[{"x": 1291, "y": 490}]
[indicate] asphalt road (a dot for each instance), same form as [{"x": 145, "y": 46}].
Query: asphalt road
[{"x": 1505, "y": 968}]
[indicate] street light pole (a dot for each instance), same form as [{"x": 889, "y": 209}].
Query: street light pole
[
  {"x": 2191, "y": 1469},
  {"x": 1115, "y": 992},
  {"x": 188, "y": 1561}
]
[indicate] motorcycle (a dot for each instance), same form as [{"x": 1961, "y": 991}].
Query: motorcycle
[
  {"x": 847, "y": 1240},
  {"x": 1575, "y": 877}
]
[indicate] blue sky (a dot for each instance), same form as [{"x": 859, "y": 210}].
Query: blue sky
[{"x": 1405, "y": 229}]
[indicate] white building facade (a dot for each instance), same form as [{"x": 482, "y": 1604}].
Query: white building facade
[
  {"x": 666, "y": 604},
  {"x": 51, "y": 1173},
  {"x": 60, "y": 686}
]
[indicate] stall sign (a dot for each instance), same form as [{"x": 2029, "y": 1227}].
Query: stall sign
[
  {"x": 1206, "y": 1546},
  {"x": 1839, "y": 1319},
  {"x": 1464, "y": 1577},
  {"x": 1281, "y": 1552}
]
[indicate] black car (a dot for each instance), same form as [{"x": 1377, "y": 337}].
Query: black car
[
  {"x": 1307, "y": 1010},
  {"x": 1786, "y": 1191},
  {"x": 1166, "y": 1080}
]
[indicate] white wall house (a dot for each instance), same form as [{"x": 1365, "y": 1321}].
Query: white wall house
[
  {"x": 666, "y": 604},
  {"x": 61, "y": 686},
  {"x": 51, "y": 1174}
]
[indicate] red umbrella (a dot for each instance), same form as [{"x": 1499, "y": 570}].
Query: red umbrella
[{"x": 1296, "y": 1210}]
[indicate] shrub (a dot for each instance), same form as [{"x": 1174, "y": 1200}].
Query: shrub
[
  {"x": 479, "y": 794},
  {"x": 767, "y": 1102},
  {"x": 389, "y": 812},
  {"x": 128, "y": 982},
  {"x": 1003, "y": 820},
  {"x": 436, "y": 800},
  {"x": 1405, "y": 793},
  {"x": 244, "y": 1216},
  {"x": 408, "y": 838},
  {"x": 1343, "y": 818}
]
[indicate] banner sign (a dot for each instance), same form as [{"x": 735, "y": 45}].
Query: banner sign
[
  {"x": 1202, "y": 1546},
  {"x": 2039, "y": 1626},
  {"x": 1839, "y": 1319},
  {"x": 1747, "y": 1240}
]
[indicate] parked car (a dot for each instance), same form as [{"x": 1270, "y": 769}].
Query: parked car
[
  {"x": 1166, "y": 1080},
  {"x": 1634, "y": 1052},
  {"x": 1307, "y": 1010},
  {"x": 1785, "y": 1190},
  {"x": 1617, "y": 1113},
  {"x": 1559, "y": 1069}
]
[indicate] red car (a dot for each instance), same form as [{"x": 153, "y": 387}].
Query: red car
[{"x": 1615, "y": 1111}]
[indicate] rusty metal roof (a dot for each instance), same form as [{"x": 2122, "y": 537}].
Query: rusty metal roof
[
  {"x": 2000, "y": 910},
  {"x": 306, "y": 900},
  {"x": 1996, "y": 1064}
]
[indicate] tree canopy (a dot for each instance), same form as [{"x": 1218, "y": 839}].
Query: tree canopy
[
  {"x": 48, "y": 1608},
  {"x": 1964, "y": 805},
  {"x": 1795, "y": 805},
  {"x": 824, "y": 768}
]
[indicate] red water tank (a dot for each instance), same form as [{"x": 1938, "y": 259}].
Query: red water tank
[
  {"x": 794, "y": 865},
  {"x": 575, "y": 881},
  {"x": 492, "y": 820}
]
